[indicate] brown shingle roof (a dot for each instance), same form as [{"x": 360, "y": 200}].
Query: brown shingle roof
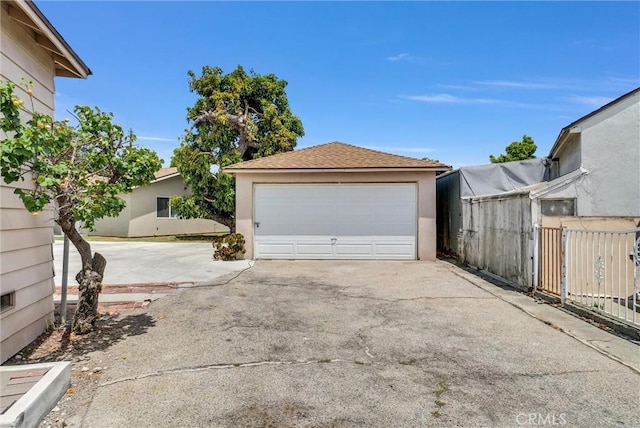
[
  {"x": 163, "y": 172},
  {"x": 336, "y": 156}
]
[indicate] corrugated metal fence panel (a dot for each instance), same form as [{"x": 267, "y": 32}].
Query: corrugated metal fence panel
[{"x": 497, "y": 236}]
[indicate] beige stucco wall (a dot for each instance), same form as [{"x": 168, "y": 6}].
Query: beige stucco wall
[
  {"x": 140, "y": 219},
  {"x": 26, "y": 259},
  {"x": 611, "y": 154},
  {"x": 607, "y": 145},
  {"x": 114, "y": 226},
  {"x": 426, "y": 182}
]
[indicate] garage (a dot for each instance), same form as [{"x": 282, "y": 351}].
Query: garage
[
  {"x": 335, "y": 221},
  {"x": 337, "y": 201}
]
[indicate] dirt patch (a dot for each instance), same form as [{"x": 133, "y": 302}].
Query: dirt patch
[
  {"x": 59, "y": 344},
  {"x": 274, "y": 415}
]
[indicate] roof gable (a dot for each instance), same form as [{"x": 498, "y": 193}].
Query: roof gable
[
  {"x": 336, "y": 155},
  {"x": 564, "y": 132},
  {"x": 67, "y": 62}
]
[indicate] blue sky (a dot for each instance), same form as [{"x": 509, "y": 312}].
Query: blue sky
[{"x": 454, "y": 81}]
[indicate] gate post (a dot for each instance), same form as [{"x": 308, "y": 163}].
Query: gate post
[
  {"x": 565, "y": 251},
  {"x": 536, "y": 256}
]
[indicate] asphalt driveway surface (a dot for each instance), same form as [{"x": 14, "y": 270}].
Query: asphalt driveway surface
[{"x": 346, "y": 344}]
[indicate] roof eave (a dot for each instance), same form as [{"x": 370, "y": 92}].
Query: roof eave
[
  {"x": 67, "y": 62},
  {"x": 164, "y": 177},
  {"x": 315, "y": 170}
]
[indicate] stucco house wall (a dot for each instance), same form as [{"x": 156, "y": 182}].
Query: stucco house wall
[
  {"x": 426, "y": 199},
  {"x": 606, "y": 143},
  {"x": 569, "y": 156},
  {"x": 26, "y": 257},
  {"x": 611, "y": 153},
  {"x": 139, "y": 218},
  {"x": 114, "y": 226}
]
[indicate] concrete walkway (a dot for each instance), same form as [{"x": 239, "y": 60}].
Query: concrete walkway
[
  {"x": 348, "y": 344},
  {"x": 150, "y": 262}
]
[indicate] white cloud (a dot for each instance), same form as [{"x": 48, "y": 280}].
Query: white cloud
[
  {"x": 398, "y": 57},
  {"x": 516, "y": 84},
  {"x": 161, "y": 139},
  {"x": 405, "y": 57},
  {"x": 594, "y": 101},
  {"x": 449, "y": 99},
  {"x": 458, "y": 87}
]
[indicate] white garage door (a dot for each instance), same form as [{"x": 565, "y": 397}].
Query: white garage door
[{"x": 333, "y": 221}]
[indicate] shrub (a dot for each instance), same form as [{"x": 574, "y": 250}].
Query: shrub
[{"x": 228, "y": 247}]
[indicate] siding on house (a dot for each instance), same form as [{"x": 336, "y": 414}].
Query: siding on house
[
  {"x": 31, "y": 50},
  {"x": 26, "y": 260}
]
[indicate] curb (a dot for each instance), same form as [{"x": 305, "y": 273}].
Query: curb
[
  {"x": 610, "y": 322},
  {"x": 35, "y": 404}
]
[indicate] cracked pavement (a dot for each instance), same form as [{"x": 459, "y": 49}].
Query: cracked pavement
[{"x": 345, "y": 344}]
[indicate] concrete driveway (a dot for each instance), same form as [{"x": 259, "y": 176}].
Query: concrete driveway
[
  {"x": 346, "y": 344},
  {"x": 149, "y": 262}
]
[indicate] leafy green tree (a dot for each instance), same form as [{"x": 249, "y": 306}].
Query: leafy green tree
[
  {"x": 237, "y": 117},
  {"x": 517, "y": 150},
  {"x": 79, "y": 171}
]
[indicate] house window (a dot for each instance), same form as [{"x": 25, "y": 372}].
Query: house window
[
  {"x": 8, "y": 301},
  {"x": 558, "y": 207},
  {"x": 163, "y": 208}
]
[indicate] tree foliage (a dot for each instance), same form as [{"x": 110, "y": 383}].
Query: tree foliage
[
  {"x": 78, "y": 170},
  {"x": 517, "y": 150},
  {"x": 237, "y": 117}
]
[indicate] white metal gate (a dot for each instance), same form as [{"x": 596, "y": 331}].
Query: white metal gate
[{"x": 601, "y": 271}]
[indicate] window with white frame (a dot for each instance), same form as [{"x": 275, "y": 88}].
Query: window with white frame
[{"x": 163, "y": 208}]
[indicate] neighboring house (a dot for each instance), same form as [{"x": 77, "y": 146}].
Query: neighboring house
[
  {"x": 606, "y": 144},
  {"x": 594, "y": 183},
  {"x": 148, "y": 212},
  {"x": 337, "y": 201},
  {"x": 31, "y": 49}
]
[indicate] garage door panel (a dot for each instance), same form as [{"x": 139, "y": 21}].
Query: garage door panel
[
  {"x": 349, "y": 221},
  {"x": 380, "y": 229},
  {"x": 396, "y": 250},
  {"x": 274, "y": 249},
  {"x": 355, "y": 249},
  {"x": 307, "y": 249}
]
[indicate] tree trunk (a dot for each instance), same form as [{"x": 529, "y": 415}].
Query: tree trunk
[
  {"x": 230, "y": 222},
  {"x": 89, "y": 288},
  {"x": 89, "y": 278}
]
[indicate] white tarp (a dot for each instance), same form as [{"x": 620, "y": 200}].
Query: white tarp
[{"x": 501, "y": 177}]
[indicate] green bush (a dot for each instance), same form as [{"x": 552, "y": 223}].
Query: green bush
[{"x": 228, "y": 247}]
